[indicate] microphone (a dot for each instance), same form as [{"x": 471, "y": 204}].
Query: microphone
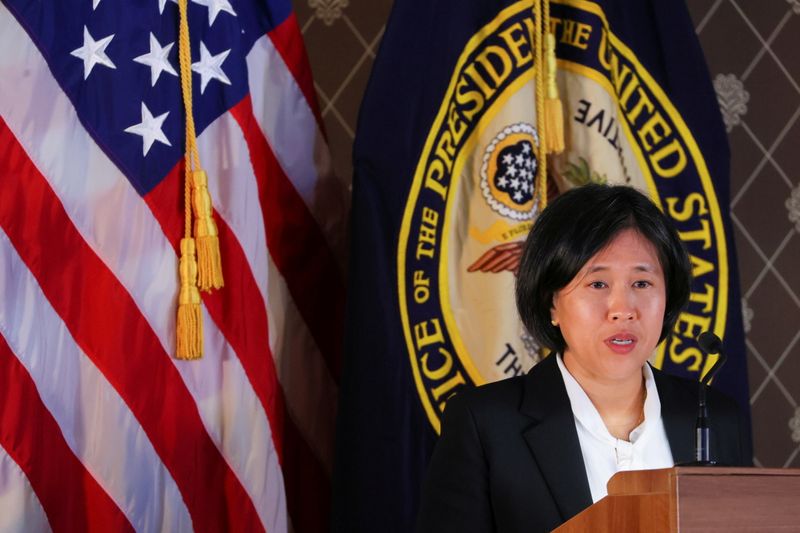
[{"x": 710, "y": 344}]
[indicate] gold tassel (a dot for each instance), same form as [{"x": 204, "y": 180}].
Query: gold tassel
[
  {"x": 553, "y": 108},
  {"x": 206, "y": 234},
  {"x": 190, "y": 319}
]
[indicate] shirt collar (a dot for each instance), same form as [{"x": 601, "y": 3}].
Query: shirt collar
[{"x": 586, "y": 413}]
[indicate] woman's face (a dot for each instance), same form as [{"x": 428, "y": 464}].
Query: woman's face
[{"x": 611, "y": 314}]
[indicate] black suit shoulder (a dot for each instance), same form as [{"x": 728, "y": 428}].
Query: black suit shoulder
[
  {"x": 690, "y": 388},
  {"x": 489, "y": 399},
  {"x": 455, "y": 496},
  {"x": 483, "y": 476}
]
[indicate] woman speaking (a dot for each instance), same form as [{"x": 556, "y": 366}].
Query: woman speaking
[{"x": 602, "y": 280}]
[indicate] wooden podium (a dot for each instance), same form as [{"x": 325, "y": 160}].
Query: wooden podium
[{"x": 695, "y": 499}]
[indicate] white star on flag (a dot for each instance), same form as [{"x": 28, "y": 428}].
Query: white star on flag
[
  {"x": 210, "y": 67},
  {"x": 214, "y": 8},
  {"x": 526, "y": 148},
  {"x": 93, "y": 52},
  {"x": 157, "y": 60},
  {"x": 149, "y": 129},
  {"x": 162, "y": 3}
]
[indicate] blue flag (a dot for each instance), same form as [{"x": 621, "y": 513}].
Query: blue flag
[{"x": 444, "y": 193}]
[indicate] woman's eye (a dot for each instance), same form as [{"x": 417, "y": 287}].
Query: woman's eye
[
  {"x": 642, "y": 284},
  {"x": 598, "y": 284}
]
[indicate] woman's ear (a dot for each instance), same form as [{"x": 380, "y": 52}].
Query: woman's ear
[{"x": 553, "y": 319}]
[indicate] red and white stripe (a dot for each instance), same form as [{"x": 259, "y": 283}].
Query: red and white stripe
[
  {"x": 83, "y": 403},
  {"x": 87, "y": 316},
  {"x": 24, "y": 511}
]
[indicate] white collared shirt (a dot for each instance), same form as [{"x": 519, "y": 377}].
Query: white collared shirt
[{"x": 603, "y": 454}]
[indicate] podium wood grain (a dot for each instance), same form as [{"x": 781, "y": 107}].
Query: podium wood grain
[{"x": 694, "y": 499}]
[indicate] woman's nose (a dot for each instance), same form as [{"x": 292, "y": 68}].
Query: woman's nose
[
  {"x": 622, "y": 315},
  {"x": 621, "y": 306}
]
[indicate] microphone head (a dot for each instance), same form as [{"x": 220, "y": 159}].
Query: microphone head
[{"x": 709, "y": 342}]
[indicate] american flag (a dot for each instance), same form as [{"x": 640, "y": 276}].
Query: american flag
[{"x": 101, "y": 429}]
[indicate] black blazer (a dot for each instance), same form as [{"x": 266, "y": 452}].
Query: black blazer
[{"x": 509, "y": 459}]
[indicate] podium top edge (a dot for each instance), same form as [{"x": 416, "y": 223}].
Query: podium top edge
[{"x": 733, "y": 471}]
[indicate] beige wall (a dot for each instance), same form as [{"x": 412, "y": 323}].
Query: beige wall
[{"x": 752, "y": 50}]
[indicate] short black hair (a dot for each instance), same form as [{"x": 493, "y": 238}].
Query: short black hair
[{"x": 573, "y": 228}]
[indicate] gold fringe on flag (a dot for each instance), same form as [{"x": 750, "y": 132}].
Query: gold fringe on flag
[
  {"x": 200, "y": 265},
  {"x": 190, "y": 318},
  {"x": 549, "y": 108},
  {"x": 206, "y": 235},
  {"x": 553, "y": 108}
]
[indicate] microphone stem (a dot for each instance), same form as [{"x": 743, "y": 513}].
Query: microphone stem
[{"x": 702, "y": 451}]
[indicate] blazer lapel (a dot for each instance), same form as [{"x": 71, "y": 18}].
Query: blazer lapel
[
  {"x": 678, "y": 412},
  {"x": 553, "y": 439}
]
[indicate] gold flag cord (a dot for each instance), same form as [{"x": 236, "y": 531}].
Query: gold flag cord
[
  {"x": 200, "y": 266},
  {"x": 538, "y": 74},
  {"x": 549, "y": 108}
]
